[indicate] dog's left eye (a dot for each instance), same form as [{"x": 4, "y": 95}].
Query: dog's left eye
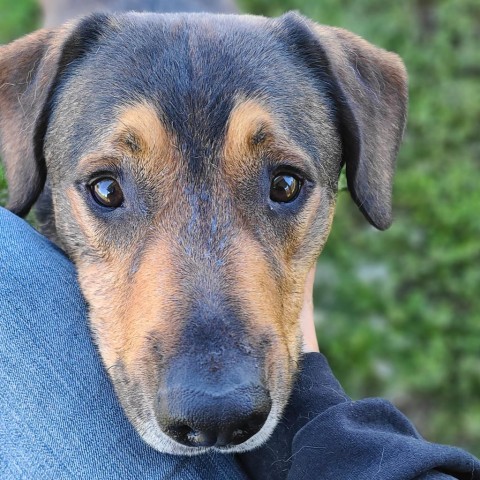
[
  {"x": 107, "y": 192},
  {"x": 285, "y": 188}
]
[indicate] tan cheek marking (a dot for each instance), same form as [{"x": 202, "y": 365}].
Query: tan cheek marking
[
  {"x": 272, "y": 310},
  {"x": 312, "y": 228},
  {"x": 129, "y": 315},
  {"x": 253, "y": 282},
  {"x": 302, "y": 251},
  {"x": 103, "y": 285},
  {"x": 151, "y": 311}
]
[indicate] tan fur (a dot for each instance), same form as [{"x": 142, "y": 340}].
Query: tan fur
[
  {"x": 137, "y": 309},
  {"x": 251, "y": 131},
  {"x": 138, "y": 138},
  {"x": 247, "y": 119},
  {"x": 140, "y": 130},
  {"x": 268, "y": 303}
]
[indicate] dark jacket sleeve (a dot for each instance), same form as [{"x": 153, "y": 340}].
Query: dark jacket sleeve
[{"x": 324, "y": 435}]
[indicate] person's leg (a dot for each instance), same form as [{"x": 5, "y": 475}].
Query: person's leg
[{"x": 59, "y": 418}]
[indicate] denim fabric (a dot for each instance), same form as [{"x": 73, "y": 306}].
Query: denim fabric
[{"x": 59, "y": 417}]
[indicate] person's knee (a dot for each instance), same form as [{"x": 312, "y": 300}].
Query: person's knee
[
  {"x": 32, "y": 266},
  {"x": 21, "y": 244}
]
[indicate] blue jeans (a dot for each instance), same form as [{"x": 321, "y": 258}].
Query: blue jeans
[{"x": 59, "y": 417}]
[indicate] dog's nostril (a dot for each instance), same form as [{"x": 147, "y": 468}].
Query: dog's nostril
[
  {"x": 241, "y": 433},
  {"x": 197, "y": 438},
  {"x": 239, "y": 436},
  {"x": 191, "y": 437},
  {"x": 220, "y": 437},
  {"x": 235, "y": 437}
]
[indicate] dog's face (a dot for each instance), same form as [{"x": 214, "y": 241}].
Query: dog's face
[{"x": 193, "y": 164}]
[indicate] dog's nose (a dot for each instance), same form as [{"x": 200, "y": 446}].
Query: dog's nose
[
  {"x": 202, "y": 418},
  {"x": 234, "y": 432}
]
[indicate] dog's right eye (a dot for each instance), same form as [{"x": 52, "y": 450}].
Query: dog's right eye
[{"x": 106, "y": 192}]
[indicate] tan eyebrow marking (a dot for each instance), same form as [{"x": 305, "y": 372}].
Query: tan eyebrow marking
[
  {"x": 140, "y": 129},
  {"x": 248, "y": 126},
  {"x": 139, "y": 137},
  {"x": 252, "y": 132}
]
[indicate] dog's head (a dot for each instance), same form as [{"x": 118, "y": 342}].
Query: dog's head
[{"x": 193, "y": 164}]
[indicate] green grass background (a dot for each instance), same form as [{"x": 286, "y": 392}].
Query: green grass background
[{"x": 399, "y": 312}]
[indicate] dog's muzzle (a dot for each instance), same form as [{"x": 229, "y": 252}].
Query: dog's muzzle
[{"x": 201, "y": 404}]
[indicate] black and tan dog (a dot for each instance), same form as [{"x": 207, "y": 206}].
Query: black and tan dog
[{"x": 189, "y": 164}]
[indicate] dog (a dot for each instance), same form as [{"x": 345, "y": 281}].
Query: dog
[{"x": 188, "y": 164}]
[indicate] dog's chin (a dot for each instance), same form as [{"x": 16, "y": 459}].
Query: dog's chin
[{"x": 157, "y": 439}]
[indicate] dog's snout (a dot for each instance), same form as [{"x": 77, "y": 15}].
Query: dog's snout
[
  {"x": 199, "y": 419},
  {"x": 201, "y": 410}
]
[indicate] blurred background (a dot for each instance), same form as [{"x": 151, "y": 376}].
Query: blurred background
[{"x": 398, "y": 312}]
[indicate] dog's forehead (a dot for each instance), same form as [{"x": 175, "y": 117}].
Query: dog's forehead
[
  {"x": 189, "y": 63},
  {"x": 192, "y": 68}
]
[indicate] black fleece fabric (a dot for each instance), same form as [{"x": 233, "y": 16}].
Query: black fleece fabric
[{"x": 324, "y": 435}]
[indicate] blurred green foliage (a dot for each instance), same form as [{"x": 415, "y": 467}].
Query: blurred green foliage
[
  {"x": 3, "y": 188},
  {"x": 399, "y": 312},
  {"x": 17, "y": 18}
]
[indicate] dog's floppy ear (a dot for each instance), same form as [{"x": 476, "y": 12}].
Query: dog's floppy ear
[
  {"x": 29, "y": 70},
  {"x": 368, "y": 87}
]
